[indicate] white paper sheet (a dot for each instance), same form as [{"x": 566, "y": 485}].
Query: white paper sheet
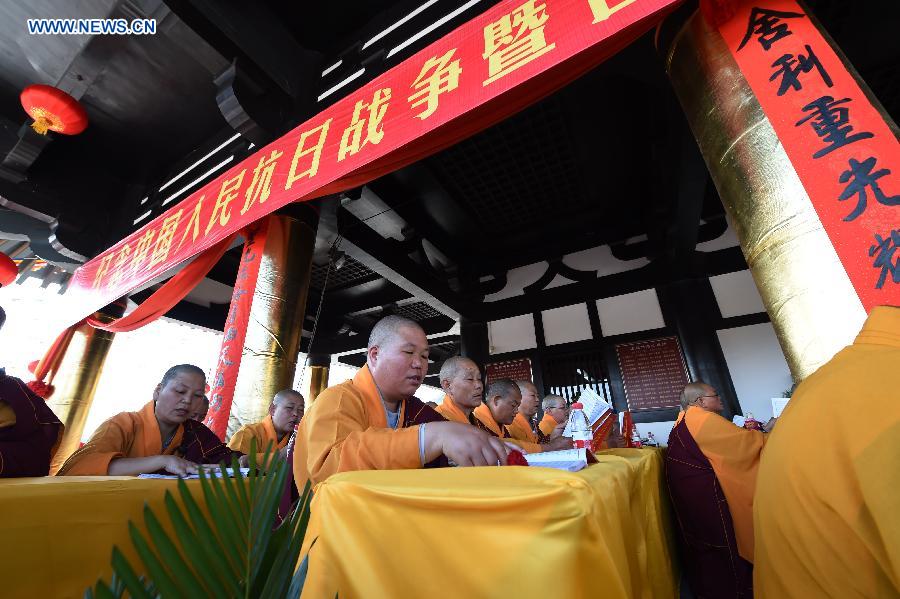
[
  {"x": 778, "y": 405},
  {"x": 210, "y": 472},
  {"x": 571, "y": 460},
  {"x": 594, "y": 408}
]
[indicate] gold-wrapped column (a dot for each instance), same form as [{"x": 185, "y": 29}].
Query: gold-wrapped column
[
  {"x": 77, "y": 379},
  {"x": 269, "y": 358},
  {"x": 809, "y": 298},
  {"x": 318, "y": 375}
]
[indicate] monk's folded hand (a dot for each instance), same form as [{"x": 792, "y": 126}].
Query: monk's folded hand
[
  {"x": 558, "y": 444},
  {"x": 178, "y": 466},
  {"x": 463, "y": 444}
]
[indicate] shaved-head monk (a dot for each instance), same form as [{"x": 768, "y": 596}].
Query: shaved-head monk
[
  {"x": 711, "y": 468},
  {"x": 461, "y": 381},
  {"x": 374, "y": 422},
  {"x": 160, "y": 438},
  {"x": 522, "y": 426},
  {"x": 199, "y": 409},
  {"x": 501, "y": 404},
  {"x": 285, "y": 413},
  {"x": 556, "y": 415},
  {"x": 29, "y": 430},
  {"x": 825, "y": 512}
]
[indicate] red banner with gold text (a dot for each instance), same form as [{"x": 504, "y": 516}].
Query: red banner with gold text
[
  {"x": 501, "y": 61},
  {"x": 843, "y": 150},
  {"x": 221, "y": 389}
]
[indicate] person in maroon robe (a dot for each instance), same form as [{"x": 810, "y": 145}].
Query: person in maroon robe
[{"x": 29, "y": 430}]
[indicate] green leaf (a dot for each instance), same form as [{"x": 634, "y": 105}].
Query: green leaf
[
  {"x": 101, "y": 591},
  {"x": 299, "y": 578},
  {"x": 161, "y": 577},
  {"x": 221, "y": 514},
  {"x": 173, "y": 557},
  {"x": 214, "y": 544},
  {"x": 205, "y": 558},
  {"x": 123, "y": 570}
]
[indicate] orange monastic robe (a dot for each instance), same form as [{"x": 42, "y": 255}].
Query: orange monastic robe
[
  {"x": 136, "y": 435},
  {"x": 825, "y": 513},
  {"x": 346, "y": 429},
  {"x": 483, "y": 414},
  {"x": 548, "y": 423},
  {"x": 520, "y": 429},
  {"x": 453, "y": 412},
  {"x": 734, "y": 453},
  {"x": 263, "y": 432}
]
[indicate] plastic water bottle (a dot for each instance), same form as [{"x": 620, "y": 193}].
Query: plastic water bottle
[{"x": 582, "y": 436}]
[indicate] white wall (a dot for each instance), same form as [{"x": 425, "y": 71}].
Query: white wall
[
  {"x": 566, "y": 324},
  {"x": 757, "y": 366},
  {"x": 511, "y": 334},
  {"x": 736, "y": 294},
  {"x": 660, "y": 430},
  {"x": 629, "y": 313}
]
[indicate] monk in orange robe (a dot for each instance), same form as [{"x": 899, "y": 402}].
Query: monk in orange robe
[
  {"x": 285, "y": 412},
  {"x": 29, "y": 430},
  {"x": 556, "y": 414},
  {"x": 826, "y": 513},
  {"x": 501, "y": 404},
  {"x": 711, "y": 468},
  {"x": 158, "y": 439},
  {"x": 374, "y": 422},
  {"x": 461, "y": 381},
  {"x": 522, "y": 427}
]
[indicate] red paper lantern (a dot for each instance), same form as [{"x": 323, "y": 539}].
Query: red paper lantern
[
  {"x": 8, "y": 270},
  {"x": 53, "y": 109}
]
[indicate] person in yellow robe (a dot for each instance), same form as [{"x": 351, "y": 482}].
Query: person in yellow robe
[
  {"x": 285, "y": 412},
  {"x": 499, "y": 409},
  {"x": 374, "y": 422},
  {"x": 711, "y": 468},
  {"x": 461, "y": 381},
  {"x": 522, "y": 426},
  {"x": 826, "y": 510},
  {"x": 160, "y": 438},
  {"x": 556, "y": 414}
]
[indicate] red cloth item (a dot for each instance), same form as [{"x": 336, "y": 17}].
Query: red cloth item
[
  {"x": 49, "y": 364},
  {"x": 627, "y": 428},
  {"x": 515, "y": 458},
  {"x": 8, "y": 270},
  {"x": 165, "y": 298}
]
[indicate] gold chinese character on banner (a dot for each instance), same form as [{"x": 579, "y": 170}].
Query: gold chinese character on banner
[
  {"x": 515, "y": 40},
  {"x": 119, "y": 267},
  {"x": 602, "y": 9},
  {"x": 227, "y": 192},
  {"x": 261, "y": 185},
  {"x": 439, "y": 75},
  {"x": 141, "y": 250},
  {"x": 101, "y": 271},
  {"x": 302, "y": 150},
  {"x": 352, "y": 139},
  {"x": 193, "y": 226},
  {"x": 164, "y": 239}
]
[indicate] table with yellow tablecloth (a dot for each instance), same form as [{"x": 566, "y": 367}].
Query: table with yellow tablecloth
[
  {"x": 496, "y": 532},
  {"x": 58, "y": 532}
]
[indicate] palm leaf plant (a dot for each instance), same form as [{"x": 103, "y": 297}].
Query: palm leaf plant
[{"x": 236, "y": 551}]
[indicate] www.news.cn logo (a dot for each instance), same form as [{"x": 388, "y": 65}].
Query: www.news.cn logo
[{"x": 91, "y": 26}]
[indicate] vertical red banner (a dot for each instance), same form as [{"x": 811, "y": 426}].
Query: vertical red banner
[
  {"x": 223, "y": 383},
  {"x": 844, "y": 151}
]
